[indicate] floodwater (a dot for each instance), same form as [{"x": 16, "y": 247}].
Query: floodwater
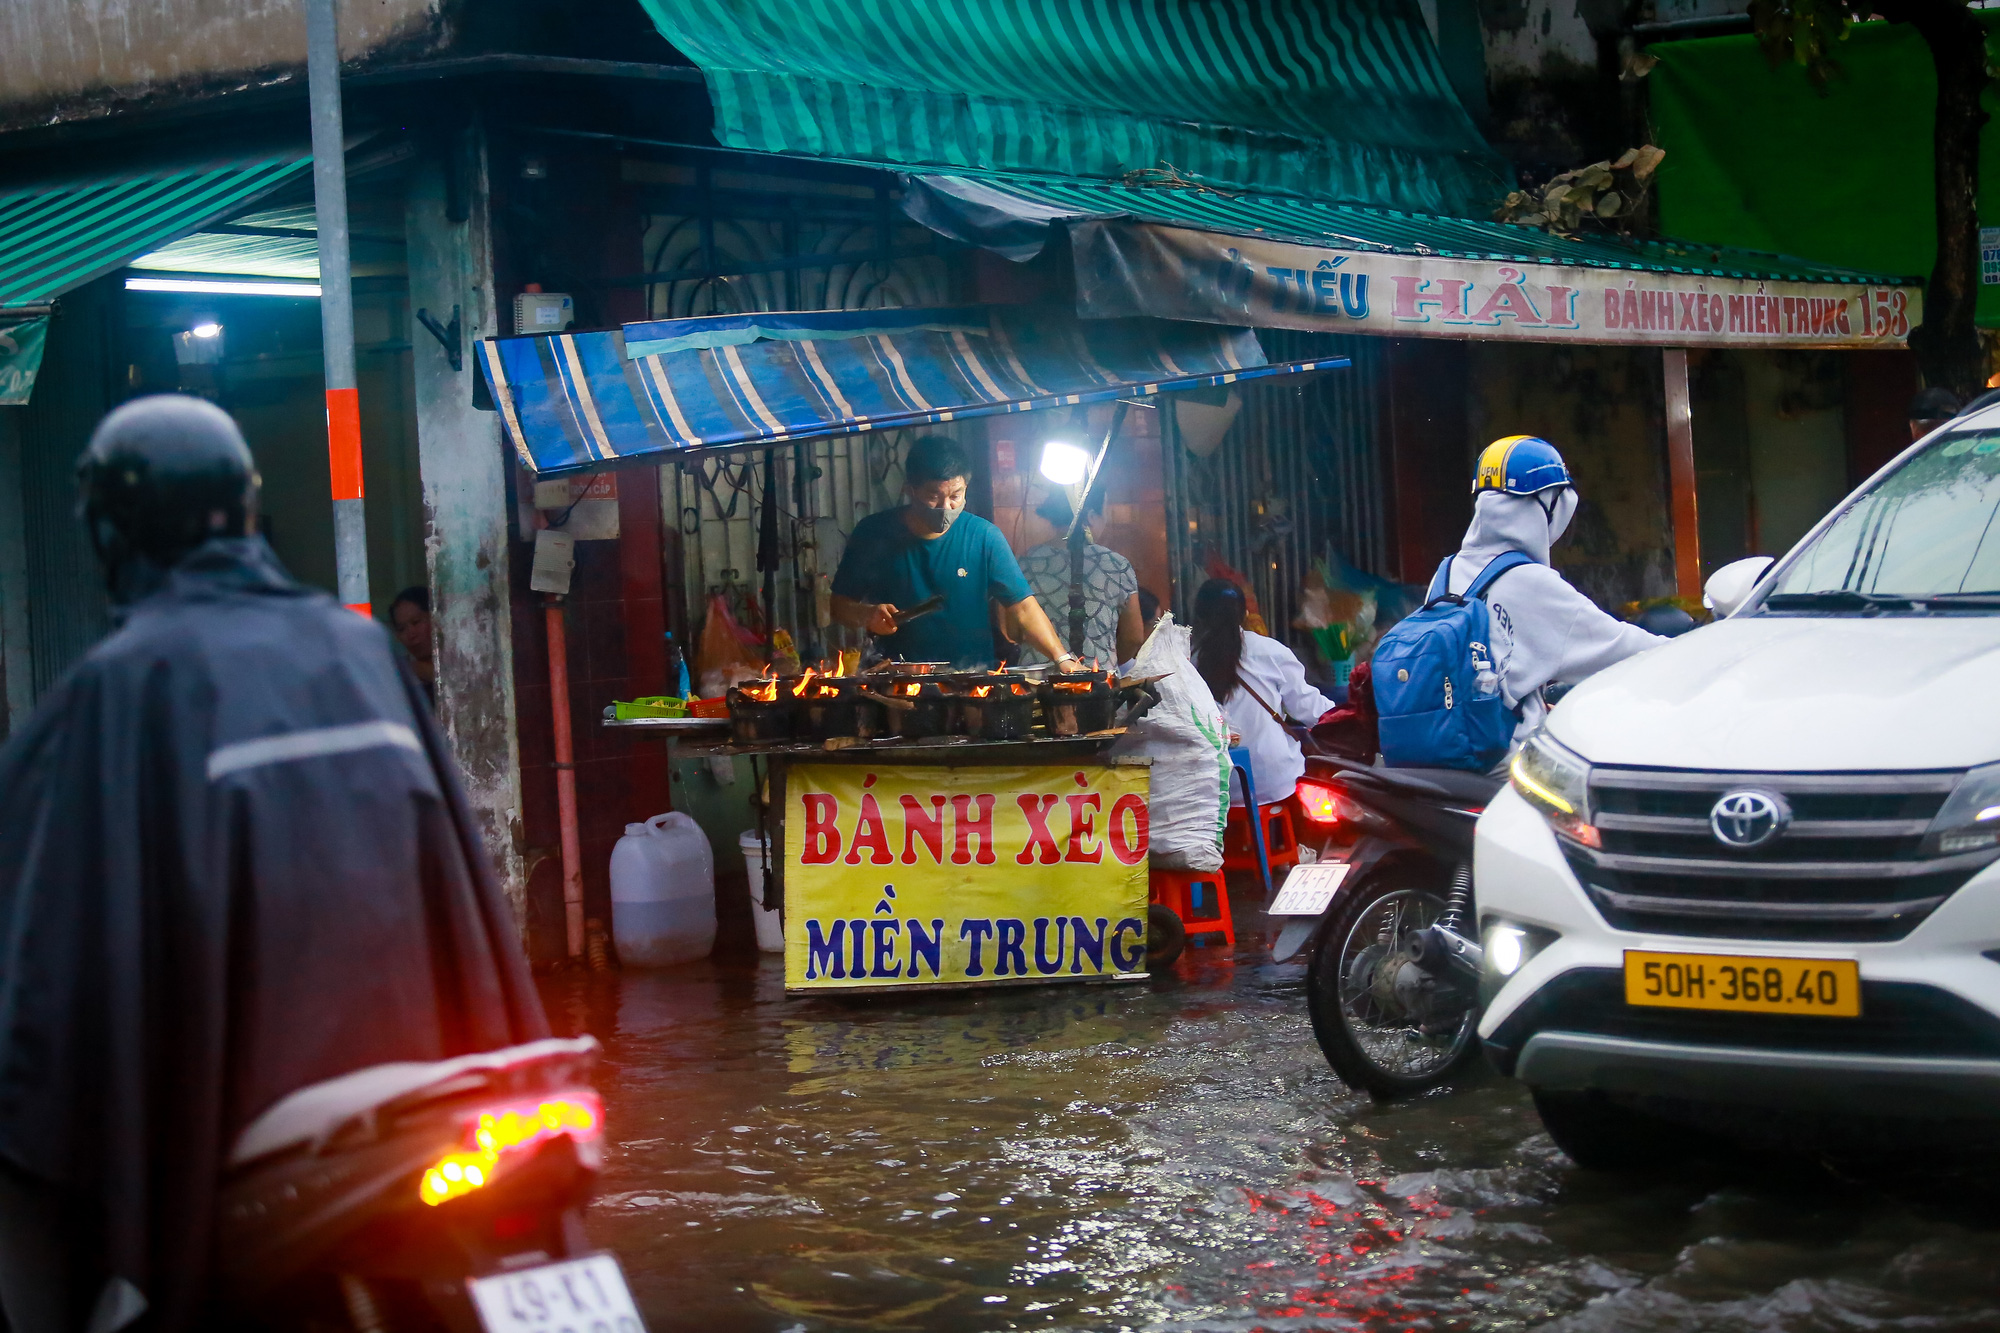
[{"x": 1175, "y": 1154}]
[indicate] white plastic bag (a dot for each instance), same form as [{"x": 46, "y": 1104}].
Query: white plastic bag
[{"x": 1187, "y": 739}]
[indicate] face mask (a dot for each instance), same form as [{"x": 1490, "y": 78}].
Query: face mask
[
  {"x": 1560, "y": 512},
  {"x": 937, "y": 520}
]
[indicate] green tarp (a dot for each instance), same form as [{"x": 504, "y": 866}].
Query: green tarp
[
  {"x": 1757, "y": 158},
  {"x": 1340, "y": 101}
]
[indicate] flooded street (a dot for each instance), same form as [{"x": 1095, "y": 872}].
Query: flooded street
[{"x": 1177, "y": 1155}]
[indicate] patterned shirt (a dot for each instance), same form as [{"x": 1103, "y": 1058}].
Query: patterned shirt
[{"x": 1108, "y": 583}]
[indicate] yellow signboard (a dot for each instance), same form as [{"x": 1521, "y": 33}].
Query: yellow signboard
[{"x": 901, "y": 876}]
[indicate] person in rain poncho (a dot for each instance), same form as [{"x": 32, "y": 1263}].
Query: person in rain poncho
[
  {"x": 1543, "y": 629},
  {"x": 234, "y": 861}
]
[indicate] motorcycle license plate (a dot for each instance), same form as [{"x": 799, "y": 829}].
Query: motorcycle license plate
[
  {"x": 1308, "y": 889},
  {"x": 575, "y": 1296},
  {"x": 1828, "y": 987}
]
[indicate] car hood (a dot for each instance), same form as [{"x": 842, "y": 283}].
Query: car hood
[{"x": 1798, "y": 694}]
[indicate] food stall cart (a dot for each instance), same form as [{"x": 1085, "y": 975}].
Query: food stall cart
[
  {"x": 947, "y": 861},
  {"x": 930, "y": 829}
]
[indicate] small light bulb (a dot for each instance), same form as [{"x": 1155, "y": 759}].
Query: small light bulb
[
  {"x": 1503, "y": 950},
  {"x": 208, "y": 330}
]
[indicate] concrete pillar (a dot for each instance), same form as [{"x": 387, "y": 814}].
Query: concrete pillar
[
  {"x": 463, "y": 460},
  {"x": 1680, "y": 473}
]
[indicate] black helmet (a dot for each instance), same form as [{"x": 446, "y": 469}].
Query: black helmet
[{"x": 162, "y": 475}]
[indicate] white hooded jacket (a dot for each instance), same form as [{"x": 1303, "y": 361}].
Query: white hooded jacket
[{"x": 1543, "y": 629}]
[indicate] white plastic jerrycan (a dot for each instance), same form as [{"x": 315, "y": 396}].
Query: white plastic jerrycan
[{"x": 663, "y": 893}]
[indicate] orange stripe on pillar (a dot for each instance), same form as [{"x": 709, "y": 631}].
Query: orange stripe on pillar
[{"x": 343, "y": 442}]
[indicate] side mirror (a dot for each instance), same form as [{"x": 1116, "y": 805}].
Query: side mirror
[{"x": 1729, "y": 587}]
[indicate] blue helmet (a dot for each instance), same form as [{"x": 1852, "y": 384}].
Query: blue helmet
[{"x": 1520, "y": 465}]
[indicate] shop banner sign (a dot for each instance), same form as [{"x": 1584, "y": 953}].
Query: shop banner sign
[
  {"x": 21, "y": 342},
  {"x": 899, "y": 877},
  {"x": 1134, "y": 269}
]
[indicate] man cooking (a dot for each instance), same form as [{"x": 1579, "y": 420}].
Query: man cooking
[{"x": 930, "y": 548}]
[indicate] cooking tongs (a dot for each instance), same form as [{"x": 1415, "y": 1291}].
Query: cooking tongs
[{"x": 920, "y": 610}]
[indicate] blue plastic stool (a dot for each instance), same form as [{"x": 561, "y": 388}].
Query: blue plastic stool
[{"x": 1239, "y": 766}]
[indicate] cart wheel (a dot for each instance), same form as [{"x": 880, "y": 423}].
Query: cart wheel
[{"x": 1165, "y": 937}]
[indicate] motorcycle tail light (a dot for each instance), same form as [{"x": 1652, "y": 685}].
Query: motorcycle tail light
[
  {"x": 1326, "y": 805},
  {"x": 1333, "y": 809},
  {"x": 497, "y": 1133}
]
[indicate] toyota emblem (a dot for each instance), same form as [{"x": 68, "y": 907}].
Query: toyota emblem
[{"x": 1748, "y": 818}]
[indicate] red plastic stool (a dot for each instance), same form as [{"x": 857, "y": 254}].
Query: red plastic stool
[
  {"x": 1281, "y": 845},
  {"x": 1179, "y": 890}
]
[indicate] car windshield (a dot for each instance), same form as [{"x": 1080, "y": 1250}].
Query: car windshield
[{"x": 1926, "y": 532}]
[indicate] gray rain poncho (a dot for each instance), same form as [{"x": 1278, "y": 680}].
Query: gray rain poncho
[{"x": 1543, "y": 629}]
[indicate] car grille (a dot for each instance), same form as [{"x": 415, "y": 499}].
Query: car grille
[{"x": 1850, "y": 867}]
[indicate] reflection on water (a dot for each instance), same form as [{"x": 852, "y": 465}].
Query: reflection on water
[{"x": 1174, "y": 1154}]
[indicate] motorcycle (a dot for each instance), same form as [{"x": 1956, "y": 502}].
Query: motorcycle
[
  {"x": 1386, "y": 918},
  {"x": 425, "y": 1196},
  {"x": 1386, "y": 914}
]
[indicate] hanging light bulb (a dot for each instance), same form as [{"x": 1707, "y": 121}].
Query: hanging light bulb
[{"x": 1063, "y": 463}]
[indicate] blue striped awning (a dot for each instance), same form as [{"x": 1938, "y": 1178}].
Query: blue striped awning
[{"x": 576, "y": 401}]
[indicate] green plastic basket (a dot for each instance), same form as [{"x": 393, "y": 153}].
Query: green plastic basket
[{"x": 659, "y": 706}]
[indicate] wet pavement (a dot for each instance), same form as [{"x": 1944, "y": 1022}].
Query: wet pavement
[{"x": 1176, "y": 1155}]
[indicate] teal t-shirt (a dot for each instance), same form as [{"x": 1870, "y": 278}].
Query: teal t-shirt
[{"x": 886, "y": 562}]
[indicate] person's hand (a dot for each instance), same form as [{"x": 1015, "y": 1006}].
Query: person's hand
[
  {"x": 882, "y": 620},
  {"x": 1069, "y": 664}
]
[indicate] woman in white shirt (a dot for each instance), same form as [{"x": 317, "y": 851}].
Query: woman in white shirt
[{"x": 1255, "y": 678}]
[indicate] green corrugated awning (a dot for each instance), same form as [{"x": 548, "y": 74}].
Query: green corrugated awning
[
  {"x": 1013, "y": 214},
  {"x": 56, "y": 234},
  {"x": 1344, "y": 101}
]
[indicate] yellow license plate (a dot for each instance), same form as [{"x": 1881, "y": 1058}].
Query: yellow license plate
[{"x": 1829, "y": 987}]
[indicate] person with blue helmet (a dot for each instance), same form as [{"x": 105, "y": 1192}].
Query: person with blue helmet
[{"x": 1543, "y": 629}]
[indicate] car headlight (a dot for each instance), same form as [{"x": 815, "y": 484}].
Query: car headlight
[
  {"x": 1970, "y": 818},
  {"x": 1557, "y": 783}
]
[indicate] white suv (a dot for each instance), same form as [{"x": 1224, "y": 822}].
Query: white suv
[{"x": 1750, "y": 881}]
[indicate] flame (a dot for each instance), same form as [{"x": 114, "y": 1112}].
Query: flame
[
  {"x": 980, "y": 691},
  {"x": 763, "y": 693},
  {"x": 910, "y": 690},
  {"x": 824, "y": 690},
  {"x": 798, "y": 690},
  {"x": 1076, "y": 686}
]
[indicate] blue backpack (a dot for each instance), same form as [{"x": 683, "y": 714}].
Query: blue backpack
[{"x": 1436, "y": 690}]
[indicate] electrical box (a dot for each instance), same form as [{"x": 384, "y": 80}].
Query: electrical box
[
  {"x": 555, "y": 559},
  {"x": 543, "y": 312}
]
